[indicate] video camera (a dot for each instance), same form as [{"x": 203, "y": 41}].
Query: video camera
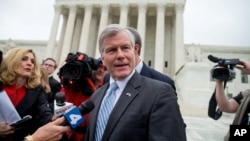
[
  {"x": 78, "y": 65},
  {"x": 224, "y": 70}
]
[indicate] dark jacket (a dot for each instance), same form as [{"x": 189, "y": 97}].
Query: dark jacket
[
  {"x": 154, "y": 74},
  {"x": 55, "y": 87},
  {"x": 146, "y": 110},
  {"x": 36, "y": 105}
]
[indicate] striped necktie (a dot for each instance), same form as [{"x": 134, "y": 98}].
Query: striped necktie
[{"x": 105, "y": 110}]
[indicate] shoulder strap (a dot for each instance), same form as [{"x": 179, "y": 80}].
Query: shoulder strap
[{"x": 214, "y": 111}]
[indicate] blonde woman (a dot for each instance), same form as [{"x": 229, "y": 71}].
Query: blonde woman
[{"x": 21, "y": 78}]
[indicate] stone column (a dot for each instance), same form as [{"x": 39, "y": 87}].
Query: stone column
[
  {"x": 77, "y": 31},
  {"x": 142, "y": 9},
  {"x": 85, "y": 29},
  {"x": 123, "y": 14},
  {"x": 58, "y": 51},
  {"x": 53, "y": 33},
  {"x": 103, "y": 24},
  {"x": 62, "y": 34},
  {"x": 159, "y": 38},
  {"x": 179, "y": 40},
  {"x": 69, "y": 33}
]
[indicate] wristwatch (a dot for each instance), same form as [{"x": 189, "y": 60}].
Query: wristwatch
[{"x": 28, "y": 138}]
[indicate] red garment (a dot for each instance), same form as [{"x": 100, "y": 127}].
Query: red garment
[
  {"x": 77, "y": 97},
  {"x": 15, "y": 94}
]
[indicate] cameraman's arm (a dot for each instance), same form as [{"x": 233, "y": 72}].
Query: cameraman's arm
[
  {"x": 225, "y": 105},
  {"x": 244, "y": 66}
]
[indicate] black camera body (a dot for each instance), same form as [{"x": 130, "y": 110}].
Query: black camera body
[
  {"x": 224, "y": 70},
  {"x": 78, "y": 65}
]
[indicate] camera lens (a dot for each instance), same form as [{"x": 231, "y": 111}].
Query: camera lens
[
  {"x": 221, "y": 73},
  {"x": 71, "y": 71}
]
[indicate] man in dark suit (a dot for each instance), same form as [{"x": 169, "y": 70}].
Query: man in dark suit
[
  {"x": 143, "y": 109},
  {"x": 141, "y": 67},
  {"x": 49, "y": 64}
]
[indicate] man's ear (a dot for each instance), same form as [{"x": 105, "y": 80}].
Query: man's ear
[
  {"x": 136, "y": 49},
  {"x": 103, "y": 62}
]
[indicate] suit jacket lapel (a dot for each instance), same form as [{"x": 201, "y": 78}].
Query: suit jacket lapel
[{"x": 127, "y": 96}]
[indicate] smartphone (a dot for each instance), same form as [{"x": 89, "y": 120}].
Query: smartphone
[{"x": 21, "y": 123}]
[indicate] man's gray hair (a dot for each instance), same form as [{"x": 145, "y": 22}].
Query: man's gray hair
[{"x": 112, "y": 30}]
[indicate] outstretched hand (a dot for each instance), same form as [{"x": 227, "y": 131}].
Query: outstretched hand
[{"x": 52, "y": 131}]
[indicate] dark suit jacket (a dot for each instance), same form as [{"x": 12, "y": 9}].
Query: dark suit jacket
[
  {"x": 36, "y": 105},
  {"x": 55, "y": 87},
  {"x": 151, "y": 73},
  {"x": 154, "y": 74},
  {"x": 146, "y": 110}
]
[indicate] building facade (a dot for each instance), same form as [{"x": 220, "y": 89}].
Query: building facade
[{"x": 77, "y": 24}]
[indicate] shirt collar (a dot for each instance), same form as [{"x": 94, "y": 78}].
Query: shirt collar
[
  {"x": 122, "y": 83},
  {"x": 139, "y": 66}
]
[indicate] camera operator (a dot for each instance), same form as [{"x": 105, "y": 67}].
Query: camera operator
[
  {"x": 241, "y": 102},
  {"x": 80, "y": 79},
  {"x": 99, "y": 74}
]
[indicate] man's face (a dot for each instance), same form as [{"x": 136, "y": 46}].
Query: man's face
[
  {"x": 49, "y": 66},
  {"x": 118, "y": 55},
  {"x": 100, "y": 73}
]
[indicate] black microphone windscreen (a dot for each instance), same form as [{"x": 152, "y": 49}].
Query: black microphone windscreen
[
  {"x": 60, "y": 99},
  {"x": 86, "y": 107}
]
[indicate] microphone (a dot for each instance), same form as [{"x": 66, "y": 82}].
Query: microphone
[
  {"x": 73, "y": 116},
  {"x": 213, "y": 59},
  {"x": 60, "y": 106}
]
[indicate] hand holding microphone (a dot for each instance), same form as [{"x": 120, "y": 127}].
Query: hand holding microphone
[
  {"x": 73, "y": 116},
  {"x": 51, "y": 131},
  {"x": 55, "y": 129}
]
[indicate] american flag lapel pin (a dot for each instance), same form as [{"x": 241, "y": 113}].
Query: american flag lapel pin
[{"x": 128, "y": 94}]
